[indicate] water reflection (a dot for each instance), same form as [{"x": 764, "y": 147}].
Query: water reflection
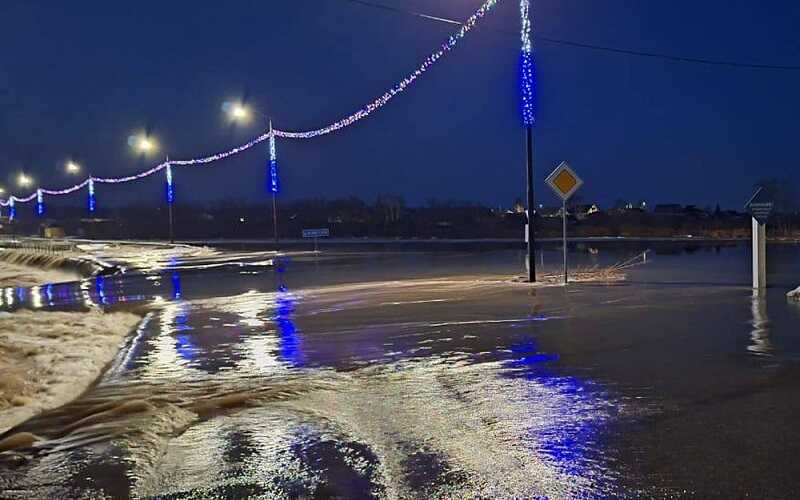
[{"x": 760, "y": 344}]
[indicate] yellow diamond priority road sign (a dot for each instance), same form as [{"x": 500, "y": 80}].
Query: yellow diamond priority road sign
[{"x": 564, "y": 181}]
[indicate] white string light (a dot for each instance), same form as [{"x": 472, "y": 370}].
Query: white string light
[
  {"x": 362, "y": 113},
  {"x": 526, "y": 67}
]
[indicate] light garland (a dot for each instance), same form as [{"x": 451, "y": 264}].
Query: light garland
[
  {"x": 170, "y": 186},
  {"x": 362, "y": 113},
  {"x": 39, "y": 202},
  {"x": 92, "y": 201},
  {"x": 273, "y": 165},
  {"x": 402, "y": 85},
  {"x": 526, "y": 67}
]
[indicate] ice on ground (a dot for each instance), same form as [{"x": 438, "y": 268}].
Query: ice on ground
[
  {"x": 143, "y": 256},
  {"x": 794, "y": 294},
  {"x": 49, "y": 358},
  {"x": 17, "y": 275}
]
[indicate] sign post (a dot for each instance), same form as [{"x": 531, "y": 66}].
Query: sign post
[
  {"x": 316, "y": 234},
  {"x": 564, "y": 182},
  {"x": 760, "y": 208}
]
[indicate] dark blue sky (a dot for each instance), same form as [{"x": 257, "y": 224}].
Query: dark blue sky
[{"x": 77, "y": 78}]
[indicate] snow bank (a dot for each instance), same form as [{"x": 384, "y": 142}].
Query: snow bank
[
  {"x": 49, "y": 358},
  {"x": 19, "y": 275},
  {"x": 794, "y": 294}
]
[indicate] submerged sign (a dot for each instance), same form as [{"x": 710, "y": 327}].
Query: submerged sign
[
  {"x": 564, "y": 181},
  {"x": 760, "y": 206}
]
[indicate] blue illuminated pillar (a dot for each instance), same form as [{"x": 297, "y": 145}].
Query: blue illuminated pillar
[
  {"x": 92, "y": 202},
  {"x": 12, "y": 210},
  {"x": 170, "y": 201},
  {"x": 527, "y": 102},
  {"x": 274, "y": 185},
  {"x": 39, "y": 202},
  {"x": 170, "y": 186}
]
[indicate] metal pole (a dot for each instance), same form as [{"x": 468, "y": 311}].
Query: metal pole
[
  {"x": 275, "y": 219},
  {"x": 564, "y": 220},
  {"x": 171, "y": 221},
  {"x": 274, "y": 201},
  {"x": 531, "y": 248},
  {"x": 171, "y": 231}
]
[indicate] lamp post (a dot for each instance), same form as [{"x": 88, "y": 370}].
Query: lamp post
[
  {"x": 238, "y": 112},
  {"x": 23, "y": 181},
  {"x": 146, "y": 145}
]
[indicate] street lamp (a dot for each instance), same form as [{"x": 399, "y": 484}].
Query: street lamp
[
  {"x": 239, "y": 112},
  {"x": 72, "y": 168},
  {"x": 146, "y": 145},
  {"x": 24, "y": 181},
  {"x": 143, "y": 144}
]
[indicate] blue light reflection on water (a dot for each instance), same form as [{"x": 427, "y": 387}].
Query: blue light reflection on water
[
  {"x": 100, "y": 289},
  {"x": 290, "y": 343},
  {"x": 576, "y": 423}
]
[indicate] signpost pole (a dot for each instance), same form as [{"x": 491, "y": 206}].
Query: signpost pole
[
  {"x": 564, "y": 182},
  {"x": 564, "y": 236},
  {"x": 759, "y": 255}
]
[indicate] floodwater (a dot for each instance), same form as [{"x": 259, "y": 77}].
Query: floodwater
[{"x": 431, "y": 374}]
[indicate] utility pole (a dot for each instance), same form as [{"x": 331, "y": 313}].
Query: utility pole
[{"x": 272, "y": 183}]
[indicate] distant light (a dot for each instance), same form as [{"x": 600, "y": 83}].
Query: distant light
[
  {"x": 2, "y": 191},
  {"x": 142, "y": 143},
  {"x": 236, "y": 111},
  {"x": 241, "y": 219},
  {"x": 73, "y": 168},
  {"x": 24, "y": 181}
]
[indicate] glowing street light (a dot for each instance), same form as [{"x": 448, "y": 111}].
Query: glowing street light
[
  {"x": 72, "y": 168},
  {"x": 2, "y": 191},
  {"x": 24, "y": 181},
  {"x": 142, "y": 144},
  {"x": 236, "y": 111}
]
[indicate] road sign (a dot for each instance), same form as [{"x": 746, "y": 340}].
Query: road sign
[
  {"x": 760, "y": 206},
  {"x": 316, "y": 233},
  {"x": 564, "y": 181}
]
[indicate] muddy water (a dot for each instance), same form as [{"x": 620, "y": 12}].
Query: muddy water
[{"x": 430, "y": 374}]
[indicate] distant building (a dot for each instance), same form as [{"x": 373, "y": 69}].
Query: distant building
[{"x": 583, "y": 211}]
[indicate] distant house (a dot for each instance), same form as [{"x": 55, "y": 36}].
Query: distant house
[{"x": 583, "y": 211}]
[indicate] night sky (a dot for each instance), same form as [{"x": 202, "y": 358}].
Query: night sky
[{"x": 78, "y": 78}]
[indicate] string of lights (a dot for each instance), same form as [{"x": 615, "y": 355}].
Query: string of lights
[
  {"x": 401, "y": 86},
  {"x": 526, "y": 66},
  {"x": 273, "y": 165},
  {"x": 362, "y": 113}
]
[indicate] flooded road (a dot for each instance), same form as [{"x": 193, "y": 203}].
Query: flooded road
[{"x": 421, "y": 374}]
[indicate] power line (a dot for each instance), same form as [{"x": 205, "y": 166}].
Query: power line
[{"x": 570, "y": 43}]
